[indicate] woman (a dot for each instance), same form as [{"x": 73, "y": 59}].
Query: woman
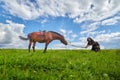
[{"x": 95, "y": 45}]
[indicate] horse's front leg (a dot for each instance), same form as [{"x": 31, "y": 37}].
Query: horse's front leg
[
  {"x": 46, "y": 44},
  {"x": 34, "y": 46},
  {"x": 29, "y": 46}
]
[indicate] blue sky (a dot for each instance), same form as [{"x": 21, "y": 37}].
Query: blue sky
[{"x": 75, "y": 20}]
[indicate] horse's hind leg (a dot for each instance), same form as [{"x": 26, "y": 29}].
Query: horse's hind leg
[
  {"x": 34, "y": 46},
  {"x": 45, "y": 47}
]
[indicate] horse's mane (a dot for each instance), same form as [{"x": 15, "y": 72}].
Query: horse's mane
[{"x": 56, "y": 33}]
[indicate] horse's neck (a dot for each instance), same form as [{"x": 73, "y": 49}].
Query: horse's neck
[{"x": 57, "y": 37}]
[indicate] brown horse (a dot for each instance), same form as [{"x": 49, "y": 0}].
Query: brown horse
[{"x": 43, "y": 37}]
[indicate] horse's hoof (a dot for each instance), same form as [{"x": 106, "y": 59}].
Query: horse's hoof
[{"x": 44, "y": 52}]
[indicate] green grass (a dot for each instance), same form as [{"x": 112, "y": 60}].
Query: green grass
[{"x": 18, "y": 64}]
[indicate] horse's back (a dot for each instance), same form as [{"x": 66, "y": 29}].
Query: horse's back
[
  {"x": 40, "y": 36},
  {"x": 34, "y": 36}
]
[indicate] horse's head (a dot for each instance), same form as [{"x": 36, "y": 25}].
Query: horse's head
[{"x": 64, "y": 41}]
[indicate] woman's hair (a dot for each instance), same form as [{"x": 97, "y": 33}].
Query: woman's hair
[{"x": 89, "y": 39}]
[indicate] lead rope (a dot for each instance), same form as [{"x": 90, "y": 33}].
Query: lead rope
[{"x": 75, "y": 45}]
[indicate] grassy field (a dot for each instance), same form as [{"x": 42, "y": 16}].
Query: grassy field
[{"x": 18, "y": 64}]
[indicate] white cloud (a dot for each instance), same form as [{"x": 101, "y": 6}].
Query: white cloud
[
  {"x": 111, "y": 37},
  {"x": 9, "y": 34},
  {"x": 108, "y": 40},
  {"x": 74, "y": 35},
  {"x": 68, "y": 34},
  {"x": 79, "y": 10},
  {"x": 104, "y": 9},
  {"x": 89, "y": 28},
  {"x": 95, "y": 33},
  {"x": 59, "y": 46},
  {"x": 63, "y": 31},
  {"x": 25, "y": 10},
  {"x": 43, "y": 21},
  {"x": 110, "y": 21}
]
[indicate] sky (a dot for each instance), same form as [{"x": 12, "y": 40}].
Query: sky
[{"x": 74, "y": 19}]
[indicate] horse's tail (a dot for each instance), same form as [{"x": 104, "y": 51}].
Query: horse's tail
[{"x": 24, "y": 38}]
